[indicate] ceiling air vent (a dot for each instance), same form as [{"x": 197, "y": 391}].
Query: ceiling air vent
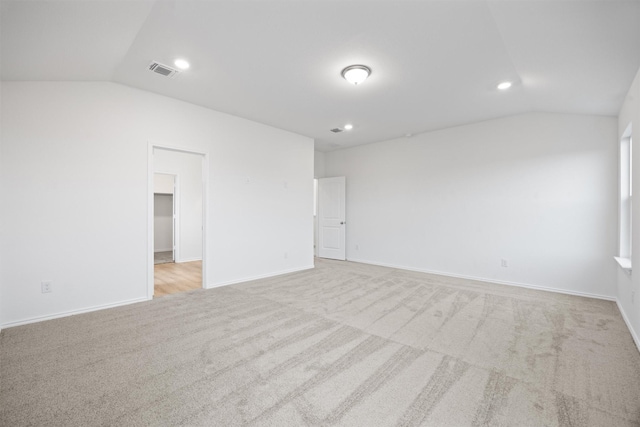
[
  {"x": 336, "y": 130},
  {"x": 162, "y": 69}
]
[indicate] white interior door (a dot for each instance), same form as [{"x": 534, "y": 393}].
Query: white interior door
[{"x": 331, "y": 218}]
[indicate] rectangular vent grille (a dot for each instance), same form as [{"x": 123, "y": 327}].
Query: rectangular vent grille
[
  {"x": 336, "y": 130},
  {"x": 162, "y": 69}
]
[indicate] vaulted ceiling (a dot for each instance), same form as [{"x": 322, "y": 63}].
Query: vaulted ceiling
[{"x": 435, "y": 64}]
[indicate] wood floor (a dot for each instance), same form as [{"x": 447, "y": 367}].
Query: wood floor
[{"x": 172, "y": 277}]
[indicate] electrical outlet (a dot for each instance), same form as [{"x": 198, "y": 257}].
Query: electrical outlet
[
  {"x": 286, "y": 255},
  {"x": 504, "y": 263},
  {"x": 357, "y": 247},
  {"x": 46, "y": 287}
]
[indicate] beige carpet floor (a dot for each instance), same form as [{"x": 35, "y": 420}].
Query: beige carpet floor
[{"x": 343, "y": 344}]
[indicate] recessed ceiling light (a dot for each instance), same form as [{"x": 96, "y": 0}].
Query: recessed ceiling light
[
  {"x": 504, "y": 85},
  {"x": 181, "y": 63},
  {"x": 348, "y": 126},
  {"x": 356, "y": 74}
]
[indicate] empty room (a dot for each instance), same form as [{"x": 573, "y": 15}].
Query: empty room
[{"x": 390, "y": 213}]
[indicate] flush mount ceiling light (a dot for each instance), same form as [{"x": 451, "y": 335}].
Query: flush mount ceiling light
[
  {"x": 504, "y": 85},
  {"x": 356, "y": 74},
  {"x": 348, "y": 126},
  {"x": 181, "y": 63}
]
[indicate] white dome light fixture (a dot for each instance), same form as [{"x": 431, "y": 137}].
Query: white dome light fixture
[
  {"x": 348, "y": 126},
  {"x": 356, "y": 74},
  {"x": 504, "y": 85},
  {"x": 181, "y": 63}
]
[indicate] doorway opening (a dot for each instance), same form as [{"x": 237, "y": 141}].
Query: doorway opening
[
  {"x": 164, "y": 218},
  {"x": 177, "y": 217}
]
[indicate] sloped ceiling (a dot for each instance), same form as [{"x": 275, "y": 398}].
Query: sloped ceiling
[{"x": 434, "y": 64}]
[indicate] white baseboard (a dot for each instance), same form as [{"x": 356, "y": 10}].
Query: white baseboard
[
  {"x": 485, "y": 280},
  {"x": 162, "y": 250},
  {"x": 179, "y": 261},
  {"x": 71, "y": 313},
  {"x": 136, "y": 300},
  {"x": 635, "y": 337},
  {"x": 262, "y": 276}
]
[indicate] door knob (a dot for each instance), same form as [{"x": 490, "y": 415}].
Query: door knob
[{"x": 341, "y": 222}]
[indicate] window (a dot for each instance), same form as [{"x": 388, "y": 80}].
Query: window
[{"x": 626, "y": 196}]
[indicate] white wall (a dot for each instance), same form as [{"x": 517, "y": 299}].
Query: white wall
[
  {"x": 628, "y": 291},
  {"x": 318, "y": 164},
  {"x": 66, "y": 219},
  {"x": 163, "y": 222},
  {"x": 187, "y": 167},
  {"x": 1, "y": 209},
  {"x": 318, "y": 172},
  {"x": 163, "y": 183},
  {"x": 538, "y": 190}
]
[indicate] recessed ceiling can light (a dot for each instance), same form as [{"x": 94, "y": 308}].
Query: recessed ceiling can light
[
  {"x": 181, "y": 63},
  {"x": 504, "y": 85},
  {"x": 348, "y": 126},
  {"x": 356, "y": 74}
]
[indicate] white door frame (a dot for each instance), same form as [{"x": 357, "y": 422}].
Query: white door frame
[
  {"x": 205, "y": 205},
  {"x": 316, "y": 236}
]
